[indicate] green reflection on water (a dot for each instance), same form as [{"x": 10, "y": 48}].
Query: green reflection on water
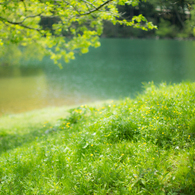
[{"x": 115, "y": 70}]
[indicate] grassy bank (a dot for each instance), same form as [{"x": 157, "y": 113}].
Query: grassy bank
[{"x": 139, "y": 146}]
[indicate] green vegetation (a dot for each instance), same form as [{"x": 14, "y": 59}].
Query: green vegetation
[
  {"x": 139, "y": 146},
  {"x": 61, "y": 28},
  {"x": 174, "y": 19}
]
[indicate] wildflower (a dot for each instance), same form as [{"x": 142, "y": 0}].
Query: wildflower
[
  {"x": 91, "y": 154},
  {"x": 135, "y": 175},
  {"x": 91, "y": 144}
]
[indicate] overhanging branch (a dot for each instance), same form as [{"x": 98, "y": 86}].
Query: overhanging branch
[
  {"x": 19, "y": 23},
  {"x": 97, "y": 8}
]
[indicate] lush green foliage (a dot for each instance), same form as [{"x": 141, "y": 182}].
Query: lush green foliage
[
  {"x": 46, "y": 24},
  {"x": 140, "y": 146},
  {"x": 174, "y": 18},
  {"x": 178, "y": 18}
]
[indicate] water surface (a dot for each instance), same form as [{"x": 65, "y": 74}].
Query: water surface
[{"x": 115, "y": 70}]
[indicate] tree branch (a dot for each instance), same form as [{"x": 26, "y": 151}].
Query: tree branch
[
  {"x": 179, "y": 18},
  {"x": 19, "y": 23},
  {"x": 97, "y": 8},
  {"x": 33, "y": 16}
]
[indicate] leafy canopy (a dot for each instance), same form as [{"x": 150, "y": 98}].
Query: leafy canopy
[{"x": 61, "y": 27}]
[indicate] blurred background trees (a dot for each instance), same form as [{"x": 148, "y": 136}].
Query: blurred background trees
[{"x": 174, "y": 18}]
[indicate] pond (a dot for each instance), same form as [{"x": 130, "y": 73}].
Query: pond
[{"x": 115, "y": 70}]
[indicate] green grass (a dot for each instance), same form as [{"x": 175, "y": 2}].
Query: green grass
[{"x": 132, "y": 146}]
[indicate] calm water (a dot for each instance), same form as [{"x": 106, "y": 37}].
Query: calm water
[{"x": 115, "y": 70}]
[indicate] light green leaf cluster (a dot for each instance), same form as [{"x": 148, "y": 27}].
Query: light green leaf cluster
[{"x": 74, "y": 25}]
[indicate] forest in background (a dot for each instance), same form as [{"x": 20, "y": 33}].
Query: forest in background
[{"x": 174, "y": 18}]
